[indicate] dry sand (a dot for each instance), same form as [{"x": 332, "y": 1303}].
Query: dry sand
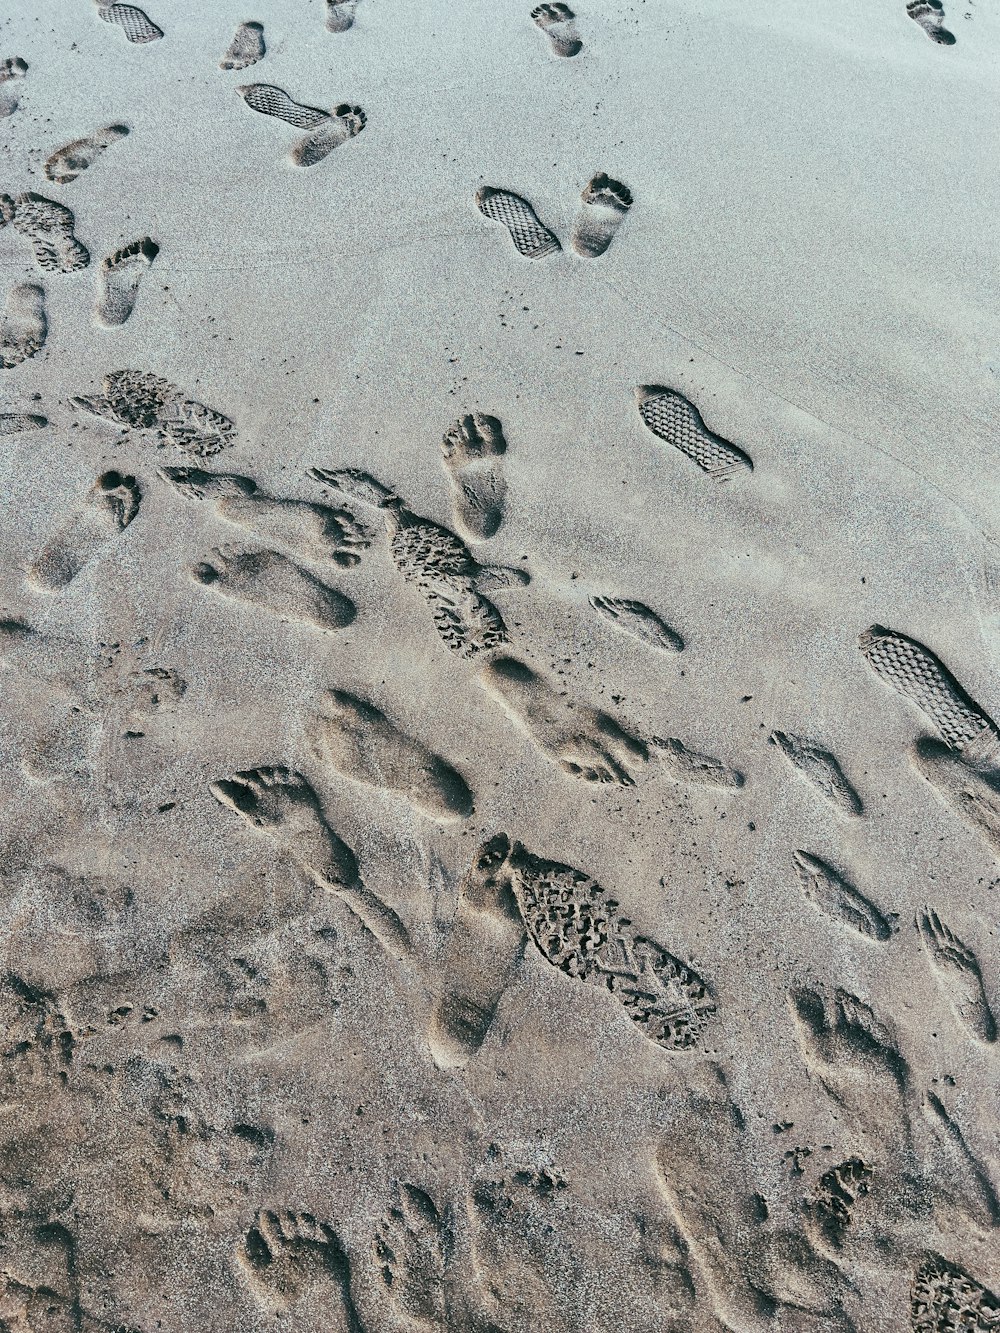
[{"x": 500, "y": 799}]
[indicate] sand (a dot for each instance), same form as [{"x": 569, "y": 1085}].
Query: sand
[{"x": 500, "y": 814}]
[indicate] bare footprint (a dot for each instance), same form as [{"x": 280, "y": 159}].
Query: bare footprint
[
  {"x": 246, "y": 48},
  {"x": 282, "y": 805},
  {"x": 137, "y": 26},
  {"x": 957, "y": 971},
  {"x": 356, "y": 739},
  {"x": 49, "y": 227},
  {"x": 340, "y": 14},
  {"x": 313, "y": 531},
  {"x": 271, "y": 581},
  {"x": 70, "y": 161},
  {"x": 584, "y": 742},
  {"x": 23, "y": 325},
  {"x": 530, "y": 237},
  {"x": 291, "y": 1257},
  {"x": 672, "y": 418},
  {"x": 929, "y": 14},
  {"x": 472, "y": 448},
  {"x": 412, "y": 1250},
  {"x": 820, "y": 769},
  {"x": 558, "y": 22},
  {"x": 12, "y": 71},
  {"x": 692, "y": 767},
  {"x": 121, "y": 274},
  {"x": 636, "y": 619},
  {"x": 14, "y": 423},
  {"x": 109, "y": 507},
  {"x": 344, "y": 122},
  {"x": 145, "y": 402},
  {"x": 605, "y": 203},
  {"x": 972, "y": 795},
  {"x": 830, "y": 893}
]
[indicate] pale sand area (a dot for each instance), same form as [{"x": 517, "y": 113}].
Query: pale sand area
[{"x": 359, "y": 1044}]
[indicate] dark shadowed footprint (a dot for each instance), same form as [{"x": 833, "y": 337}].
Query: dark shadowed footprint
[
  {"x": 23, "y": 325},
  {"x": 49, "y": 227},
  {"x": 605, "y": 203},
  {"x": 831, "y": 894},
  {"x": 820, "y": 769},
  {"x": 145, "y": 402},
  {"x": 108, "y": 508},
  {"x": 291, "y": 1257},
  {"x": 344, "y": 122},
  {"x": 674, "y": 419},
  {"x": 135, "y": 23},
  {"x": 558, "y": 22},
  {"x": 930, "y": 15},
  {"x": 120, "y": 276},
  {"x": 70, "y": 161},
  {"x": 15, "y": 423},
  {"x": 313, "y": 531},
  {"x": 282, "y": 804},
  {"x": 637, "y": 620},
  {"x": 340, "y": 14},
  {"x": 358, "y": 740},
  {"x": 412, "y": 1250},
  {"x": 12, "y": 71},
  {"x": 246, "y": 48},
  {"x": 530, "y": 237},
  {"x": 472, "y": 450},
  {"x": 946, "y": 1299},
  {"x": 274, "y": 583},
  {"x": 956, "y": 970},
  {"x": 328, "y": 129}
]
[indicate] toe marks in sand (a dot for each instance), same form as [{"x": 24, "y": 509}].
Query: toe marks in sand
[
  {"x": 956, "y": 970},
  {"x": 328, "y": 129},
  {"x": 636, "y": 619},
  {"x": 246, "y": 48},
  {"x": 820, "y": 769},
  {"x": 930, "y": 16},
  {"x": 558, "y": 22},
  {"x": 288, "y": 1255},
  {"x": 120, "y": 276},
  {"x": 74, "y": 158},
  {"x": 472, "y": 449},
  {"x": 272, "y": 582},
  {"x": 107, "y": 510},
  {"x": 604, "y": 204}
]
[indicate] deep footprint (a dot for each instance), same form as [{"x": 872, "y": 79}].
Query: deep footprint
[
  {"x": 342, "y": 124},
  {"x": 672, "y": 418},
  {"x": 23, "y": 325},
  {"x": 530, "y": 237},
  {"x": 120, "y": 276},
  {"x": 109, "y": 507},
  {"x": 558, "y": 22},
  {"x": 472, "y": 450},
  {"x": 289, "y": 1255},
  {"x": 246, "y": 48},
  {"x": 340, "y": 14},
  {"x": 49, "y": 227},
  {"x": 605, "y": 202},
  {"x": 412, "y": 1250},
  {"x": 274, "y": 583},
  {"x": 68, "y": 162}
]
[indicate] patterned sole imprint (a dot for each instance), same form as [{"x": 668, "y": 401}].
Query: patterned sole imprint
[
  {"x": 145, "y": 402},
  {"x": 49, "y": 228},
  {"x": 137, "y": 26},
  {"x": 672, "y": 418},
  {"x": 530, "y": 237},
  {"x": 268, "y": 100}
]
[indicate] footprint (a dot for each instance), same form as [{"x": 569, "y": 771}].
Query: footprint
[
  {"x": 283, "y": 805},
  {"x": 929, "y": 14},
  {"x": 693, "y": 768},
  {"x": 344, "y": 123},
  {"x": 121, "y": 274},
  {"x": 271, "y": 581},
  {"x": 482, "y": 951},
  {"x": 412, "y": 1250},
  {"x": 356, "y": 739},
  {"x": 584, "y": 742},
  {"x": 23, "y": 325},
  {"x": 272, "y": 101},
  {"x": 957, "y": 972},
  {"x": 558, "y": 22},
  {"x": 821, "y": 769},
  {"x": 671, "y": 417},
  {"x": 637, "y": 619},
  {"x": 913, "y": 671},
  {"x": 315, "y": 532},
  {"x": 13, "y": 423},
  {"x": 605, "y": 203},
  {"x": 290, "y": 1256},
  {"x": 973, "y": 796},
  {"x": 961, "y": 1180},
  {"x": 246, "y": 48},
  {"x": 945, "y": 1297},
  {"x": 830, "y": 1212},
  {"x": 11, "y": 72},
  {"x": 68, "y": 162},
  {"x": 145, "y": 402},
  {"x": 49, "y": 227},
  {"x": 530, "y": 238},
  {"x": 340, "y": 14},
  {"x": 137, "y": 26},
  {"x": 108, "y": 508},
  {"x": 472, "y": 448},
  {"x": 830, "y": 893}
]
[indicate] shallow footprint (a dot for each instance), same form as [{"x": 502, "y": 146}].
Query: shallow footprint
[
  {"x": 14, "y": 423},
  {"x": 268, "y": 100},
  {"x": 929, "y": 14},
  {"x": 357, "y": 739},
  {"x": 830, "y": 893},
  {"x": 11, "y": 72},
  {"x": 558, "y": 22},
  {"x": 530, "y": 237},
  {"x": 121, "y": 274},
  {"x": 246, "y": 48},
  {"x": 137, "y": 26},
  {"x": 340, "y": 14},
  {"x": 957, "y": 971},
  {"x": 290, "y": 1256},
  {"x": 973, "y": 796},
  {"x": 636, "y": 619},
  {"x": 472, "y": 448},
  {"x": 70, "y": 161},
  {"x": 109, "y": 507},
  {"x": 693, "y": 767},
  {"x": 344, "y": 123},
  {"x": 672, "y": 418},
  {"x": 820, "y": 769},
  {"x": 412, "y": 1249},
  {"x": 270, "y": 580},
  {"x": 23, "y": 325},
  {"x": 49, "y": 227},
  {"x": 605, "y": 203}
]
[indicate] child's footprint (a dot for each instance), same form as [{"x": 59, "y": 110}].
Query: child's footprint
[
  {"x": 109, "y": 507},
  {"x": 11, "y": 71},
  {"x": 532, "y": 240},
  {"x": 273, "y": 582},
  {"x": 345, "y": 122},
  {"x": 929, "y": 13},
  {"x": 472, "y": 450},
  {"x": 246, "y": 48},
  {"x": 340, "y": 14},
  {"x": 68, "y": 162},
  {"x": 605, "y": 203},
  {"x": 137, "y": 26},
  {"x": 49, "y": 228},
  {"x": 23, "y": 325},
  {"x": 120, "y": 276},
  {"x": 559, "y": 23}
]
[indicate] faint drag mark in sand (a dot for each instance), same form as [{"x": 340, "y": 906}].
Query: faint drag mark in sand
[
  {"x": 930, "y": 14},
  {"x": 12, "y": 71},
  {"x": 272, "y": 582},
  {"x": 120, "y": 275},
  {"x": 108, "y": 508},
  {"x": 49, "y": 227},
  {"x": 637, "y": 620},
  {"x": 291, "y": 1256},
  {"x": 674, "y": 419},
  {"x": 531, "y": 239},
  {"x": 246, "y": 48},
  {"x": 558, "y": 22},
  {"x": 137, "y": 26},
  {"x": 23, "y": 325},
  {"x": 820, "y": 769},
  {"x": 143, "y": 401},
  {"x": 958, "y": 974},
  {"x": 604, "y": 205},
  {"x": 329, "y": 129},
  {"x": 70, "y": 161},
  {"x": 472, "y": 449},
  {"x": 831, "y": 894}
]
